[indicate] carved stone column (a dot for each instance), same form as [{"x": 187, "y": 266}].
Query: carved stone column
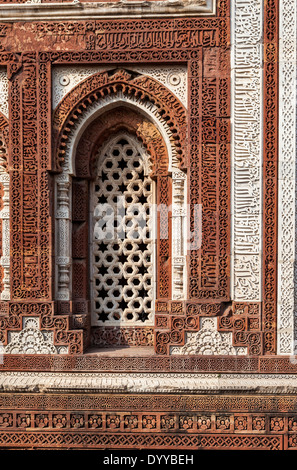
[
  {"x": 178, "y": 233},
  {"x": 63, "y": 257}
]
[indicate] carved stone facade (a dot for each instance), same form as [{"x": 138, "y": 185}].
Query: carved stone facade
[{"x": 147, "y": 217}]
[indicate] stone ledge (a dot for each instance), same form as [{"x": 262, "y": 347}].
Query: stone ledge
[
  {"x": 53, "y": 382},
  {"x": 122, "y": 9}
]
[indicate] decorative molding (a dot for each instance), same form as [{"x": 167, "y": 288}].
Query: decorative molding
[
  {"x": 30, "y": 340},
  {"x": 287, "y": 283},
  {"x": 246, "y": 19},
  {"x": 29, "y": 157},
  {"x": 65, "y": 78},
  {"x": 144, "y": 360},
  {"x": 95, "y": 10},
  {"x": 208, "y": 341},
  {"x": 156, "y": 383},
  {"x": 118, "y": 440},
  {"x": 33, "y": 415}
]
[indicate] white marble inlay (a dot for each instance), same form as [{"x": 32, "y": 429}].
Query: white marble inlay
[{"x": 65, "y": 78}]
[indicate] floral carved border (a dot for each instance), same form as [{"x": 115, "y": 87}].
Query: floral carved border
[
  {"x": 184, "y": 421},
  {"x": 270, "y": 174}
]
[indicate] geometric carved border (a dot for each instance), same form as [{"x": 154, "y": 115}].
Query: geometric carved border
[
  {"x": 139, "y": 362},
  {"x": 91, "y": 440},
  {"x": 234, "y": 422},
  {"x": 287, "y": 179},
  {"x": 4, "y": 210}
]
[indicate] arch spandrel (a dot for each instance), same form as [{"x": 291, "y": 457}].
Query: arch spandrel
[{"x": 146, "y": 94}]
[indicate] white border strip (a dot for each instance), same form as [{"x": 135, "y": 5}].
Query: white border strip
[
  {"x": 246, "y": 57},
  {"x": 287, "y": 176},
  {"x": 146, "y": 383}
]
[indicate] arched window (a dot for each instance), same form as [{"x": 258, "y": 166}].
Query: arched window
[
  {"x": 121, "y": 209},
  {"x": 122, "y": 239}
]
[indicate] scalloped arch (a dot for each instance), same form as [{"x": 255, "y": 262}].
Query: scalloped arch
[
  {"x": 143, "y": 92},
  {"x": 111, "y": 122}
]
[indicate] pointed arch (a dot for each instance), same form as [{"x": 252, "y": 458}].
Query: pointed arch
[
  {"x": 104, "y": 105},
  {"x": 112, "y": 121},
  {"x": 106, "y": 88}
]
